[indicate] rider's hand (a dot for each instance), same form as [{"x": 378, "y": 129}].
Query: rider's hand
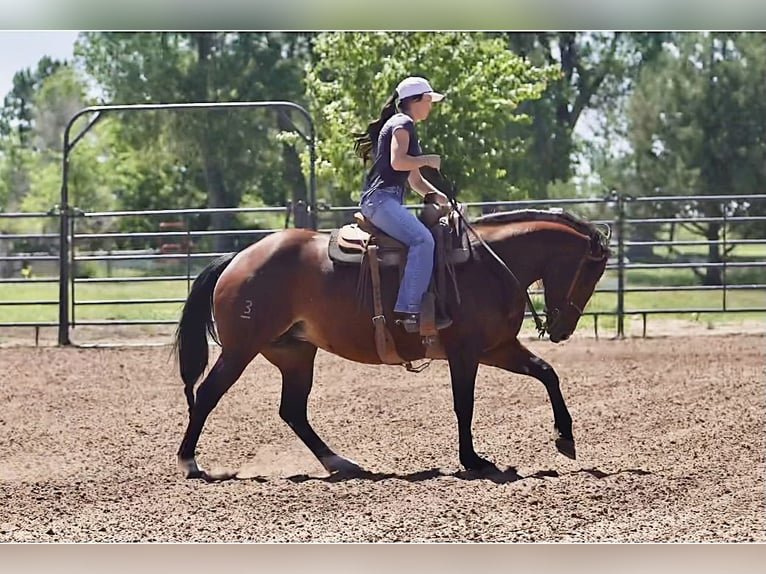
[{"x": 441, "y": 198}]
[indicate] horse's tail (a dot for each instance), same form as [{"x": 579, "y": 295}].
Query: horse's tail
[{"x": 191, "y": 347}]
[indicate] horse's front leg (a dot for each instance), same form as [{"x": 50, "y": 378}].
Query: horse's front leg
[
  {"x": 463, "y": 367},
  {"x": 516, "y": 358}
]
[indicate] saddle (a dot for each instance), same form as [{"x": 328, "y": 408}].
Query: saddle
[
  {"x": 348, "y": 245},
  {"x": 361, "y": 243}
]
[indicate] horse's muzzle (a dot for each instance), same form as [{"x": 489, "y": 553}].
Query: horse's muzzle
[{"x": 559, "y": 337}]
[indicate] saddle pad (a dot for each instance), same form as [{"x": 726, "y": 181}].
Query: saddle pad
[
  {"x": 347, "y": 247},
  {"x": 337, "y": 253}
]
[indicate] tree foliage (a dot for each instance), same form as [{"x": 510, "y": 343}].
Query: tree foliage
[
  {"x": 598, "y": 70},
  {"x": 696, "y": 127},
  {"x": 484, "y": 83},
  {"x": 669, "y": 113},
  {"x": 30, "y": 169},
  {"x": 226, "y": 153}
]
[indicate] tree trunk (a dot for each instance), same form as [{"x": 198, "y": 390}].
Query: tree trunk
[
  {"x": 713, "y": 274},
  {"x": 641, "y": 253},
  {"x": 217, "y": 194},
  {"x": 296, "y": 181}
]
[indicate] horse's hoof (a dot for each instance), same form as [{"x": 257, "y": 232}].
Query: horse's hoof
[
  {"x": 566, "y": 446},
  {"x": 335, "y": 464},
  {"x": 190, "y": 469},
  {"x": 479, "y": 465}
]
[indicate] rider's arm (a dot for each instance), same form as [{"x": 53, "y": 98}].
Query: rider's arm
[
  {"x": 400, "y": 159},
  {"x": 423, "y": 186}
]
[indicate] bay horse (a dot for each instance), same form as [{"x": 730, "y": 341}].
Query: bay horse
[{"x": 284, "y": 298}]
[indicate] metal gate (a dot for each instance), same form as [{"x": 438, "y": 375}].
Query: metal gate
[{"x": 67, "y": 213}]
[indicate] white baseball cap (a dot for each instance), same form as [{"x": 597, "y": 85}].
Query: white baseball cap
[{"x": 415, "y": 86}]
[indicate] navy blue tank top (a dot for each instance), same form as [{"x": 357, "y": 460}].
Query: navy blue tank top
[{"x": 381, "y": 174}]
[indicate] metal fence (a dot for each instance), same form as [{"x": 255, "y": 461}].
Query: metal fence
[
  {"x": 118, "y": 276},
  {"x": 68, "y": 268},
  {"x": 20, "y": 253},
  {"x": 68, "y": 213}
]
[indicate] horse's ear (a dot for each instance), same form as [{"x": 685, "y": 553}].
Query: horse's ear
[{"x": 599, "y": 246}]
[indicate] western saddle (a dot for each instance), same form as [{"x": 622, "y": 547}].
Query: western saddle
[{"x": 361, "y": 243}]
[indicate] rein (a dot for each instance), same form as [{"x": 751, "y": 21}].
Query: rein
[{"x": 540, "y": 325}]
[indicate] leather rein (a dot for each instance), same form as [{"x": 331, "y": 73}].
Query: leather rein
[{"x": 542, "y": 326}]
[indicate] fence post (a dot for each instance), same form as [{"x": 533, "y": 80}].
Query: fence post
[
  {"x": 312, "y": 215},
  {"x": 73, "y": 267},
  {"x": 64, "y": 271},
  {"x": 723, "y": 255},
  {"x": 620, "y": 228},
  {"x": 301, "y": 215},
  {"x": 187, "y": 225}
]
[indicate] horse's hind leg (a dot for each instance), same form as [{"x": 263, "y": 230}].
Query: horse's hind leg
[
  {"x": 516, "y": 358},
  {"x": 222, "y": 376},
  {"x": 295, "y": 360}
]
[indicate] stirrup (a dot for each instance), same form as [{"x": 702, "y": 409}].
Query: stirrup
[{"x": 411, "y": 323}]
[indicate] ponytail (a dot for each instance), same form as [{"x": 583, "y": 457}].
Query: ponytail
[{"x": 366, "y": 142}]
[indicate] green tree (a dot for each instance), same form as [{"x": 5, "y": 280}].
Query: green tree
[
  {"x": 92, "y": 177},
  {"x": 15, "y": 160},
  {"x": 17, "y": 113},
  {"x": 696, "y": 126},
  {"x": 485, "y": 83},
  {"x": 597, "y": 73},
  {"x": 230, "y": 154},
  {"x": 17, "y": 120},
  {"x": 31, "y": 159}
]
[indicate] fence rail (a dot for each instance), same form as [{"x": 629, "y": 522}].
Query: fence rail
[{"x": 103, "y": 273}]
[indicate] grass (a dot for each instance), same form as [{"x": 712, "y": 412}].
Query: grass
[
  {"x": 740, "y": 252},
  {"x": 603, "y": 302},
  {"x": 91, "y": 292},
  {"x": 692, "y": 300},
  {"x": 600, "y": 302}
]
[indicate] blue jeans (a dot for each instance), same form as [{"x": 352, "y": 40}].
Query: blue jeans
[{"x": 383, "y": 209}]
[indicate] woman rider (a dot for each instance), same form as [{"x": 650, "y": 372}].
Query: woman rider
[{"x": 393, "y": 142}]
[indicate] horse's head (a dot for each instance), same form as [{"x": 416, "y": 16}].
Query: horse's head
[
  {"x": 567, "y": 252},
  {"x": 570, "y": 279}
]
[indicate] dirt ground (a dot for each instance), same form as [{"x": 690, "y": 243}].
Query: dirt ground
[
  {"x": 131, "y": 335},
  {"x": 670, "y": 445}
]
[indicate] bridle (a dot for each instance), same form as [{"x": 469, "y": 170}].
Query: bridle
[
  {"x": 556, "y": 313},
  {"x": 542, "y": 327}
]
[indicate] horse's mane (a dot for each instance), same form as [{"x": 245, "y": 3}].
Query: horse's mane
[
  {"x": 562, "y": 217},
  {"x": 599, "y": 237}
]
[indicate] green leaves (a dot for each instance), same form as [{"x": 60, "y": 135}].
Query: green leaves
[
  {"x": 227, "y": 153},
  {"x": 484, "y": 83},
  {"x": 692, "y": 116}
]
